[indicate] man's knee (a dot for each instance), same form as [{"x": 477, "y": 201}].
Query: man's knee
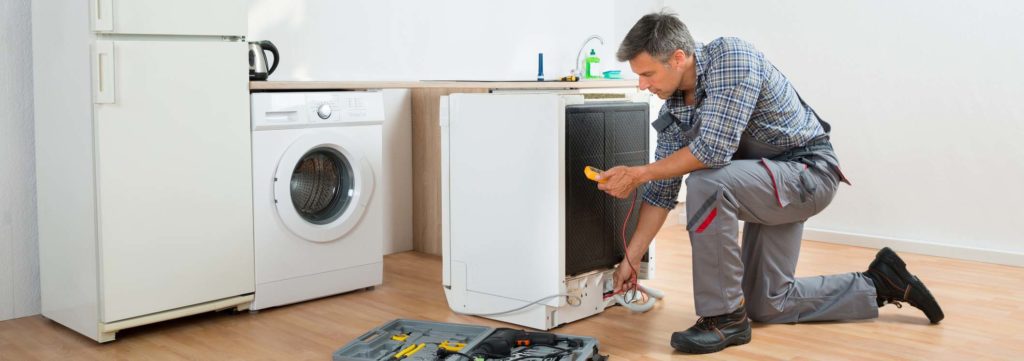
[
  {"x": 766, "y": 306},
  {"x": 764, "y": 312}
]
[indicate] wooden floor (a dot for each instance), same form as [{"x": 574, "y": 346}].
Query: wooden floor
[{"x": 984, "y": 319}]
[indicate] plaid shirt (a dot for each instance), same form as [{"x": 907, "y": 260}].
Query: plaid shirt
[{"x": 738, "y": 91}]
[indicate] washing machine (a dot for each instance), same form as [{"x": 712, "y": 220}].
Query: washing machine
[{"x": 318, "y": 214}]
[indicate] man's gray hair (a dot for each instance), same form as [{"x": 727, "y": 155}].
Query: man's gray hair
[{"x": 659, "y": 34}]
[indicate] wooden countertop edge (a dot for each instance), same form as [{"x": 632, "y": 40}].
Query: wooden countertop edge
[{"x": 340, "y": 85}]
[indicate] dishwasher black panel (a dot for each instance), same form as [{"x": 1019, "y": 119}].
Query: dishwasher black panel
[{"x": 601, "y": 135}]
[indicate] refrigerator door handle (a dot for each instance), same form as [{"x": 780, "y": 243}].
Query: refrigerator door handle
[
  {"x": 102, "y": 15},
  {"x": 103, "y": 72}
]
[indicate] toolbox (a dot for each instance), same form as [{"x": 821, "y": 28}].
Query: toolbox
[{"x": 413, "y": 340}]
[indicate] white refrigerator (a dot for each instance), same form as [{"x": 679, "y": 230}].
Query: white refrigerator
[{"x": 143, "y": 160}]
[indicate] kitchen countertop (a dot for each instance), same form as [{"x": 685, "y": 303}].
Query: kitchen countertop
[{"x": 326, "y": 85}]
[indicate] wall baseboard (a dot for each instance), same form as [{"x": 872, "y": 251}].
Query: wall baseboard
[{"x": 914, "y": 246}]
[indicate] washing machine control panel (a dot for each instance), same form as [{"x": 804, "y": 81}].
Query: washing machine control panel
[{"x": 296, "y": 110}]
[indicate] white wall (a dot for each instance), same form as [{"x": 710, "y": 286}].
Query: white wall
[
  {"x": 457, "y": 39},
  {"x": 19, "y": 254},
  {"x": 924, "y": 98}
]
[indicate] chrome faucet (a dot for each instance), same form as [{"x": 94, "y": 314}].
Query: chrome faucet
[{"x": 579, "y": 68}]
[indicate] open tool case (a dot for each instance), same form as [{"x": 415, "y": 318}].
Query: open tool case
[{"x": 412, "y": 340}]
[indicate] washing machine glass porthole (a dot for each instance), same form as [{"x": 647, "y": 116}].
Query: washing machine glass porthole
[{"x": 322, "y": 185}]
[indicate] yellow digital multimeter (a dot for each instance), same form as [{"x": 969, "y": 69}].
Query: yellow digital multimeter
[{"x": 592, "y": 173}]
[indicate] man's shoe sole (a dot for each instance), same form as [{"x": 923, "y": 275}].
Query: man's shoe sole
[
  {"x": 737, "y": 339},
  {"x": 889, "y": 256}
]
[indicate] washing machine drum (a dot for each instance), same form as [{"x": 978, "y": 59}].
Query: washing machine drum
[
  {"x": 322, "y": 189},
  {"x": 321, "y": 186}
]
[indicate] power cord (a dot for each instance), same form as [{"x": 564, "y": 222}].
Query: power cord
[{"x": 579, "y": 301}]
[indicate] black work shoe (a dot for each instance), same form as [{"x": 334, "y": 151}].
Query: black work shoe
[
  {"x": 712, "y": 334},
  {"x": 894, "y": 284}
]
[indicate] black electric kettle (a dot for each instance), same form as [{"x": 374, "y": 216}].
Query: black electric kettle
[{"x": 258, "y": 68}]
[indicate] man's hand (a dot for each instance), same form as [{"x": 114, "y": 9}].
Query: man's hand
[
  {"x": 624, "y": 275},
  {"x": 620, "y": 181}
]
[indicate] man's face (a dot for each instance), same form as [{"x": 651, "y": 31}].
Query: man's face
[{"x": 662, "y": 79}]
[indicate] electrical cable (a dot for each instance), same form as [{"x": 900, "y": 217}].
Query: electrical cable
[
  {"x": 635, "y": 297},
  {"x": 579, "y": 301},
  {"x": 632, "y": 287}
]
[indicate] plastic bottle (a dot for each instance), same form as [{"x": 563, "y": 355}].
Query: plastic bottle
[{"x": 591, "y": 67}]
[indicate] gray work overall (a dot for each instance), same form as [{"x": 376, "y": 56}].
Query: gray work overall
[{"x": 773, "y": 191}]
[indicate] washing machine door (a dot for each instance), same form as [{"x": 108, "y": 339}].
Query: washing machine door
[{"x": 322, "y": 187}]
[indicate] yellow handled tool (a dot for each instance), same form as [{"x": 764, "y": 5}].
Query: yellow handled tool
[
  {"x": 408, "y": 351},
  {"x": 451, "y": 346},
  {"x": 592, "y": 173},
  {"x": 404, "y": 351}
]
